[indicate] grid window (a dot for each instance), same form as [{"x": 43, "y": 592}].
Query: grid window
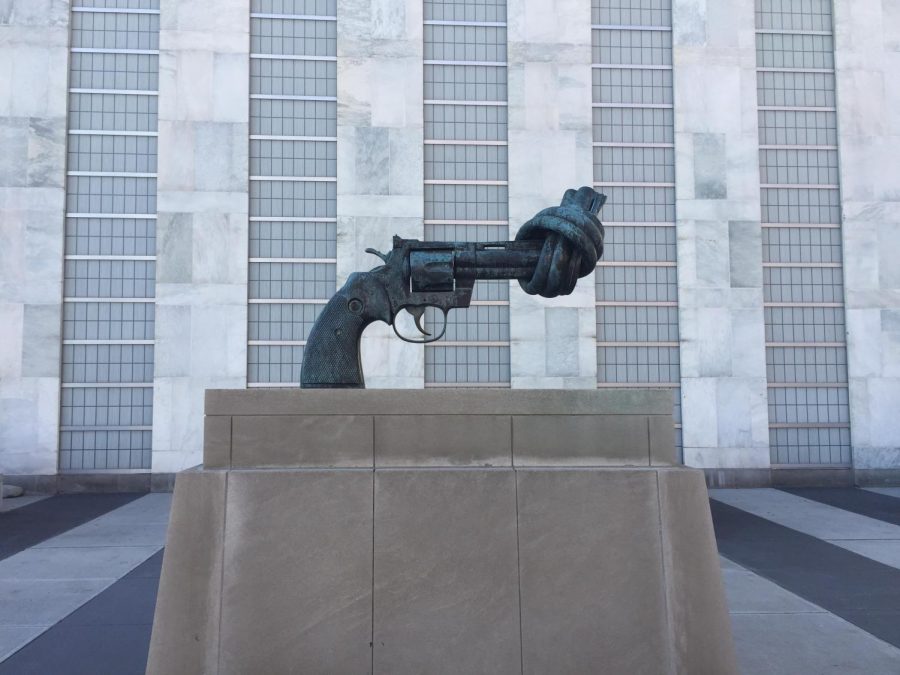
[
  {"x": 465, "y": 43},
  {"x": 791, "y": 166},
  {"x": 632, "y": 47},
  {"x": 466, "y": 202},
  {"x": 106, "y": 407},
  {"x": 465, "y": 83},
  {"x": 639, "y": 244},
  {"x": 109, "y": 278},
  {"x": 479, "y": 233},
  {"x": 284, "y": 146},
  {"x": 634, "y": 165},
  {"x": 293, "y": 118},
  {"x": 794, "y": 15},
  {"x": 620, "y": 365},
  {"x": 291, "y": 322},
  {"x": 293, "y": 37},
  {"x": 806, "y": 365},
  {"x": 110, "y": 236},
  {"x": 286, "y": 281},
  {"x": 797, "y": 127},
  {"x": 636, "y": 284},
  {"x": 485, "y": 323},
  {"x": 634, "y": 125},
  {"x": 467, "y": 365},
  {"x": 295, "y": 7},
  {"x": 805, "y": 324},
  {"x": 131, "y": 154},
  {"x": 487, "y": 11},
  {"x": 465, "y": 123},
  {"x": 111, "y": 194},
  {"x": 637, "y": 324},
  {"x": 108, "y": 320},
  {"x": 275, "y": 199},
  {"x": 808, "y": 90},
  {"x": 293, "y": 158},
  {"x": 284, "y": 77},
  {"x": 808, "y": 405},
  {"x": 801, "y": 245},
  {"x": 810, "y": 446},
  {"x": 104, "y": 450},
  {"x": 138, "y": 72},
  {"x": 107, "y": 363},
  {"x": 465, "y": 162},
  {"x": 274, "y": 363},
  {"x": 625, "y": 85},
  {"x": 108, "y": 30},
  {"x": 632, "y": 12},
  {"x": 293, "y": 240},
  {"x": 112, "y": 112},
  {"x": 117, "y": 4},
  {"x": 640, "y": 204},
  {"x": 801, "y": 205},
  {"x": 803, "y": 284},
  {"x": 470, "y": 44},
  {"x": 105, "y": 421},
  {"x": 779, "y": 50}
]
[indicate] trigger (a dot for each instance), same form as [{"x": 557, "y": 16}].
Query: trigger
[{"x": 418, "y": 313}]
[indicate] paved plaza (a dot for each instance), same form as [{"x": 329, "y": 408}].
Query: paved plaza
[{"x": 812, "y": 577}]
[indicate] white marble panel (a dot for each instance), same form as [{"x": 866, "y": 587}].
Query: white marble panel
[
  {"x": 719, "y": 237},
  {"x": 549, "y": 93},
  {"x": 203, "y": 206},
  {"x": 380, "y": 165},
  {"x": 33, "y": 102},
  {"x": 866, "y": 59}
]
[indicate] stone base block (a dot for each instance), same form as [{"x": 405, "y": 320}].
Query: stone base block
[{"x": 463, "y": 560}]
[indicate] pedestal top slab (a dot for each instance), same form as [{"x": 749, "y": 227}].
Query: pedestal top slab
[
  {"x": 439, "y": 401},
  {"x": 390, "y": 428}
]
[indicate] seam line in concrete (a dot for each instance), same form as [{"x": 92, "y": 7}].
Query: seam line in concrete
[
  {"x": 222, "y": 577},
  {"x": 670, "y": 637},
  {"x": 519, "y": 575}
]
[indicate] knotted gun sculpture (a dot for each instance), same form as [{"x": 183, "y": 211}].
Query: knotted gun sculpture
[{"x": 550, "y": 253}]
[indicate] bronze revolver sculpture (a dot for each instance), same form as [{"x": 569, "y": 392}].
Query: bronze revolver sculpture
[{"x": 550, "y": 253}]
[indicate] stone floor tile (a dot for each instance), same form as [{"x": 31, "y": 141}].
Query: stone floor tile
[
  {"x": 813, "y": 518},
  {"x": 43, "y": 602},
  {"x": 886, "y": 552},
  {"x": 83, "y": 650},
  {"x": 749, "y": 593},
  {"x": 51, "y": 562},
  {"x": 101, "y": 532},
  {"x": 12, "y": 503},
  {"x": 889, "y": 491},
  {"x": 809, "y": 644},
  {"x": 13, "y": 638}
]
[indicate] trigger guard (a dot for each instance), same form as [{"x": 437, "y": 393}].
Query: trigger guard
[{"x": 426, "y": 340}]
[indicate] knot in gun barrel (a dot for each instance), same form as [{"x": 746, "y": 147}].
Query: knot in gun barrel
[{"x": 573, "y": 243}]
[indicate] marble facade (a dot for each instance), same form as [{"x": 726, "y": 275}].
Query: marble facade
[{"x": 201, "y": 301}]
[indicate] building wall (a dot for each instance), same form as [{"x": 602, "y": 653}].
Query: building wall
[
  {"x": 206, "y": 332},
  {"x": 723, "y": 373},
  {"x": 867, "y": 58},
  {"x": 34, "y": 39},
  {"x": 202, "y": 256}
]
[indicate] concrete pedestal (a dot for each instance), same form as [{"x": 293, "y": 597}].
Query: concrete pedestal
[{"x": 495, "y": 531}]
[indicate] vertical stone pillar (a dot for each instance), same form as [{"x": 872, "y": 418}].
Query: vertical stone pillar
[
  {"x": 553, "y": 343},
  {"x": 34, "y": 38},
  {"x": 867, "y": 55},
  {"x": 723, "y": 366},
  {"x": 380, "y": 160},
  {"x": 202, "y": 232}
]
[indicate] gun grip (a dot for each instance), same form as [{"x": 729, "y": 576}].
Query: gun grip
[{"x": 331, "y": 358}]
